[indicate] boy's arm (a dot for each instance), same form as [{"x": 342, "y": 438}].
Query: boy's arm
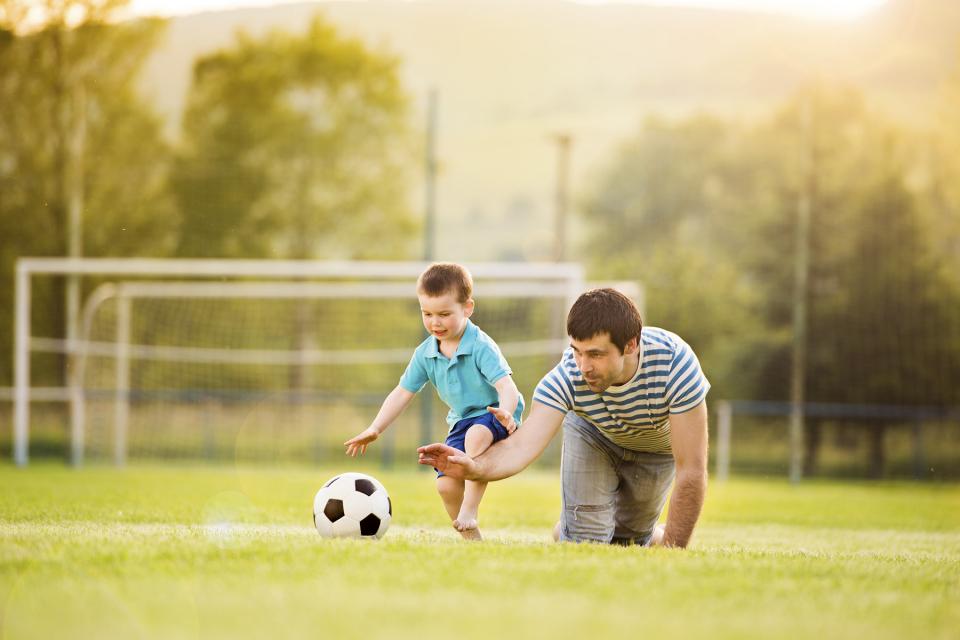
[
  {"x": 393, "y": 405},
  {"x": 509, "y": 398}
]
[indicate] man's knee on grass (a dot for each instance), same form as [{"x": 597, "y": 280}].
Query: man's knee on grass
[{"x": 587, "y": 523}]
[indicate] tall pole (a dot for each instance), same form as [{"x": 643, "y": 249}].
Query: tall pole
[
  {"x": 429, "y": 238},
  {"x": 75, "y": 197},
  {"x": 74, "y": 200},
  {"x": 430, "y": 169},
  {"x": 561, "y": 200},
  {"x": 801, "y": 269},
  {"x": 561, "y": 205},
  {"x": 21, "y": 368}
]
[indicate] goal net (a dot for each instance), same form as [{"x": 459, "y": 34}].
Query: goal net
[{"x": 243, "y": 360}]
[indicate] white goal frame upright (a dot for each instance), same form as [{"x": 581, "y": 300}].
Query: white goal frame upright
[{"x": 193, "y": 279}]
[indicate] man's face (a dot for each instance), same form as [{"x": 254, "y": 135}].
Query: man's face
[
  {"x": 601, "y": 362},
  {"x": 443, "y": 316}
]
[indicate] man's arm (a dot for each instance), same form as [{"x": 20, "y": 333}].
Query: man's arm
[
  {"x": 688, "y": 439},
  {"x": 504, "y": 459}
]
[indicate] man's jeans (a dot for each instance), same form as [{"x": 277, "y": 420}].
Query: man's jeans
[{"x": 610, "y": 494}]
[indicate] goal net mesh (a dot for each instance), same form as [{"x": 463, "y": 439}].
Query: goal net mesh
[{"x": 280, "y": 379}]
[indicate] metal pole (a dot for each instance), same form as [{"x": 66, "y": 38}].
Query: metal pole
[
  {"x": 558, "y": 328},
  {"x": 121, "y": 405},
  {"x": 919, "y": 459},
  {"x": 74, "y": 203},
  {"x": 74, "y": 196},
  {"x": 561, "y": 197},
  {"x": 21, "y": 367},
  {"x": 724, "y": 428},
  {"x": 800, "y": 277},
  {"x": 430, "y": 165},
  {"x": 429, "y": 238}
]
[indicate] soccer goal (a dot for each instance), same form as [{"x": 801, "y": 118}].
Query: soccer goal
[{"x": 258, "y": 360}]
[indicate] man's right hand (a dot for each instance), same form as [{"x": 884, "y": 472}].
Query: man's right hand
[{"x": 450, "y": 461}]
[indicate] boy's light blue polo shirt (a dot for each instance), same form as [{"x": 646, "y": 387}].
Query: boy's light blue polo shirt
[{"x": 464, "y": 382}]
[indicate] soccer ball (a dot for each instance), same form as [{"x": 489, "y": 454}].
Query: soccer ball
[{"x": 352, "y": 505}]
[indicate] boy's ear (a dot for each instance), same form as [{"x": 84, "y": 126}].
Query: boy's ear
[{"x": 468, "y": 308}]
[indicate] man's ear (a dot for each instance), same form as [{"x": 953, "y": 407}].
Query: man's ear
[
  {"x": 632, "y": 346},
  {"x": 468, "y": 308}
]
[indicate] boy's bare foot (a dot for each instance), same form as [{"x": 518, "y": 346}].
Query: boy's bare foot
[
  {"x": 471, "y": 534},
  {"x": 468, "y": 526}
]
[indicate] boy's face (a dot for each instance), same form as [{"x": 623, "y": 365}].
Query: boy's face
[
  {"x": 443, "y": 316},
  {"x": 601, "y": 362}
]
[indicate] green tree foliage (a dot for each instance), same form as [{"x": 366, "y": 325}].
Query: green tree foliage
[
  {"x": 705, "y": 213},
  {"x": 943, "y": 167},
  {"x": 659, "y": 214},
  {"x": 879, "y": 313},
  {"x": 72, "y": 127},
  {"x": 295, "y": 146}
]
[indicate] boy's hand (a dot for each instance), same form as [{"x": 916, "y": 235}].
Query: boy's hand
[
  {"x": 504, "y": 417},
  {"x": 358, "y": 444}
]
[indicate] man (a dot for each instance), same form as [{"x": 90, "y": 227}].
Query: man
[{"x": 632, "y": 404}]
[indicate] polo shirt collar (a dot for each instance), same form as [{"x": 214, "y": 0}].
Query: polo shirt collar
[{"x": 467, "y": 340}]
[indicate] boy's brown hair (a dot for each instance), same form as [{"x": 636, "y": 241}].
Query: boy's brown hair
[
  {"x": 604, "y": 311},
  {"x": 446, "y": 277}
]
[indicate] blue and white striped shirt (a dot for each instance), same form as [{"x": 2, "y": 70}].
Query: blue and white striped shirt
[{"x": 636, "y": 414}]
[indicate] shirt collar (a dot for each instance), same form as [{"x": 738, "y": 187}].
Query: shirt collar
[{"x": 467, "y": 340}]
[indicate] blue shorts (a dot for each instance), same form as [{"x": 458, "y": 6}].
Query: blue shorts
[{"x": 458, "y": 433}]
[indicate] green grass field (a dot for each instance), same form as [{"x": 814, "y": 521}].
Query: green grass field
[{"x": 225, "y": 552}]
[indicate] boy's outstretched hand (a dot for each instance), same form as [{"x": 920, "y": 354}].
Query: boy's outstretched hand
[
  {"x": 450, "y": 461},
  {"x": 504, "y": 417},
  {"x": 358, "y": 444}
]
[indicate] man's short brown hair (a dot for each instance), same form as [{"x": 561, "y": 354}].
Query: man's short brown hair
[
  {"x": 604, "y": 311},
  {"x": 446, "y": 277}
]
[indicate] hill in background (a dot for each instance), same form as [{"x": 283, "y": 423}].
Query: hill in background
[{"x": 511, "y": 75}]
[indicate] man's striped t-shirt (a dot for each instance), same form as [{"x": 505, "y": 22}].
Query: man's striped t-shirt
[{"x": 635, "y": 415}]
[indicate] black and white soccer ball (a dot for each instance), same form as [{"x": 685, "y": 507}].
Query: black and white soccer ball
[{"x": 352, "y": 505}]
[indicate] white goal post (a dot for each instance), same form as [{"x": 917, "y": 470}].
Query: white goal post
[{"x": 155, "y": 279}]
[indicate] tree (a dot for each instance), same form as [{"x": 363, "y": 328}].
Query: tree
[
  {"x": 295, "y": 147},
  {"x": 74, "y": 134},
  {"x": 666, "y": 212},
  {"x": 704, "y": 212},
  {"x": 879, "y": 321}
]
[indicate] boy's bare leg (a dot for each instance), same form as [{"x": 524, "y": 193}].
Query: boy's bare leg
[
  {"x": 477, "y": 440},
  {"x": 451, "y": 492}
]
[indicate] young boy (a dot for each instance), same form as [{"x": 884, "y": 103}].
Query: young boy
[{"x": 471, "y": 376}]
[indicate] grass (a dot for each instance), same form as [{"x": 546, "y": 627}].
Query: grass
[{"x": 228, "y": 552}]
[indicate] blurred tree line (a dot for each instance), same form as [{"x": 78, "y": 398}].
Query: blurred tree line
[
  {"x": 298, "y": 146},
  {"x": 705, "y": 213},
  {"x": 281, "y": 136}
]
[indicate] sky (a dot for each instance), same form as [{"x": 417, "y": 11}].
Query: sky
[{"x": 815, "y": 9}]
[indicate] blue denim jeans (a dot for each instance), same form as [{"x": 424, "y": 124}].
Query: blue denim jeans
[{"x": 610, "y": 494}]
